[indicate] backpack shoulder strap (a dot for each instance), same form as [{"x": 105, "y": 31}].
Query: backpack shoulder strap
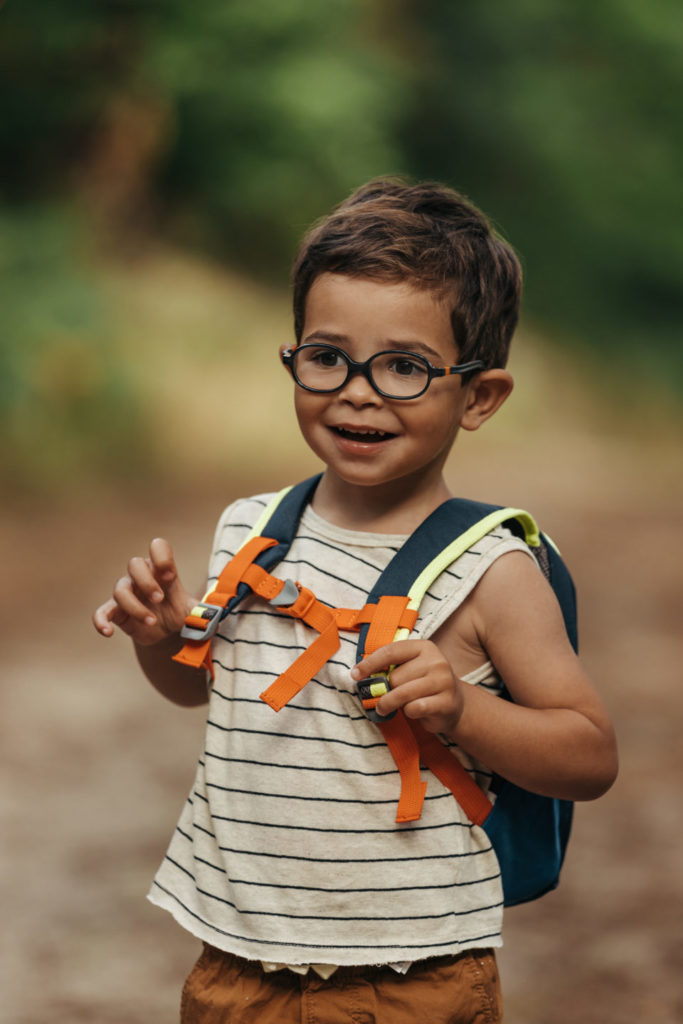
[
  {"x": 443, "y": 537},
  {"x": 280, "y": 520},
  {"x": 450, "y": 531}
]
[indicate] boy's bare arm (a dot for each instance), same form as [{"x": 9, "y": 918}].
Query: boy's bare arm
[
  {"x": 150, "y": 605},
  {"x": 556, "y": 738}
]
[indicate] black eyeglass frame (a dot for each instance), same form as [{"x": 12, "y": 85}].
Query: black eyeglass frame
[{"x": 353, "y": 367}]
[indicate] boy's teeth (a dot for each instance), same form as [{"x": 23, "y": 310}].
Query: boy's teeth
[
  {"x": 374, "y": 433},
  {"x": 369, "y": 435}
]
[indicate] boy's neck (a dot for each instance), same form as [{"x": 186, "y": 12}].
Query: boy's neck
[{"x": 395, "y": 509}]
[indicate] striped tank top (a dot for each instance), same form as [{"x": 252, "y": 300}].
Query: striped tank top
[{"x": 287, "y": 849}]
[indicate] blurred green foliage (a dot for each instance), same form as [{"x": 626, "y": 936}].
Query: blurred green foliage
[
  {"x": 65, "y": 400},
  {"x": 228, "y": 127},
  {"x": 562, "y": 121}
]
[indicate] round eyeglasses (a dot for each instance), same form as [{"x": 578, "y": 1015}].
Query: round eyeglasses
[{"x": 393, "y": 374}]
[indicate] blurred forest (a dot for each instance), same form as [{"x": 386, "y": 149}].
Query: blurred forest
[{"x": 134, "y": 133}]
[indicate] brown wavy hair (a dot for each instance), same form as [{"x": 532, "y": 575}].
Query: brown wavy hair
[{"x": 431, "y": 236}]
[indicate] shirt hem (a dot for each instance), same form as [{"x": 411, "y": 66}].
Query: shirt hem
[{"x": 290, "y": 954}]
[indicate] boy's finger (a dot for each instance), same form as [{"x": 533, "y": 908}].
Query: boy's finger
[
  {"x": 104, "y": 616},
  {"x": 161, "y": 557},
  {"x": 144, "y": 580},
  {"x": 395, "y": 653},
  {"x": 107, "y": 616},
  {"x": 130, "y": 604},
  {"x": 400, "y": 695}
]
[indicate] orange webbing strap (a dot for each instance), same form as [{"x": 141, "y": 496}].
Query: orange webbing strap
[
  {"x": 354, "y": 618},
  {"x": 300, "y": 672},
  {"x": 233, "y": 573},
  {"x": 451, "y": 773},
  {"x": 397, "y": 730},
  {"x": 404, "y": 749},
  {"x": 384, "y": 621},
  {"x": 196, "y": 653},
  {"x": 390, "y": 613}
]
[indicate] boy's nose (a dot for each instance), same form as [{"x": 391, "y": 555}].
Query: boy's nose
[{"x": 360, "y": 391}]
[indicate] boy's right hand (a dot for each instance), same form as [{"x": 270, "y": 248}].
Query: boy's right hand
[{"x": 150, "y": 603}]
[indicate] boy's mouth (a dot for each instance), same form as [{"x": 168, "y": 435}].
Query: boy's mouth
[{"x": 363, "y": 436}]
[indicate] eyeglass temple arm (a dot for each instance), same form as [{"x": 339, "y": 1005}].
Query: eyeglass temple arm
[{"x": 447, "y": 371}]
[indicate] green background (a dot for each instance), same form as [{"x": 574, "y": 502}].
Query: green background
[{"x": 135, "y": 132}]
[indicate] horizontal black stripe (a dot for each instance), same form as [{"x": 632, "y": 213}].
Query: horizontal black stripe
[
  {"x": 470, "y": 942},
  {"x": 233, "y": 640},
  {"x": 356, "y": 919},
  {"x": 344, "y": 552},
  {"x": 273, "y": 674},
  {"x": 372, "y": 888},
  {"x": 322, "y": 572},
  {"x": 338, "y": 892},
  {"x": 298, "y": 767},
  {"x": 287, "y": 827},
  {"x": 272, "y": 614},
  {"x": 346, "y": 920},
  {"x": 294, "y": 707},
  {"x": 316, "y": 799},
  {"x": 378, "y": 861},
  {"x": 336, "y": 771},
  {"x": 284, "y": 647},
  {"x": 451, "y": 572},
  {"x": 296, "y": 736},
  {"x": 215, "y": 867},
  {"x": 324, "y": 768},
  {"x": 247, "y": 671}
]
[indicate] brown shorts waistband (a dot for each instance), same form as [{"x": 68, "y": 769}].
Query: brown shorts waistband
[{"x": 352, "y": 971}]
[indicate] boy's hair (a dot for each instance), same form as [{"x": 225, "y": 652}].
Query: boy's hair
[{"x": 432, "y": 237}]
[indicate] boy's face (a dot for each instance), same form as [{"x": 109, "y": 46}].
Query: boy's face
[{"x": 363, "y": 438}]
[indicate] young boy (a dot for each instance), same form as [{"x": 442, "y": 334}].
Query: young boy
[{"x": 311, "y": 901}]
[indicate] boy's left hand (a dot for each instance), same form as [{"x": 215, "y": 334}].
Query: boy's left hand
[{"x": 422, "y": 683}]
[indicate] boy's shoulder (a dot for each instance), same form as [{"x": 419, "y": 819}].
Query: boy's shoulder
[
  {"x": 248, "y": 508},
  {"x": 237, "y": 519}
]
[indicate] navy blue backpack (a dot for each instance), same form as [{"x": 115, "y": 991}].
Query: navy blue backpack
[{"x": 528, "y": 832}]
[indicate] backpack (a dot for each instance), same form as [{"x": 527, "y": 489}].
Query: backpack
[{"x": 528, "y": 832}]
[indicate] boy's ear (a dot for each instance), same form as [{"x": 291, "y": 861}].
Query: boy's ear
[{"x": 486, "y": 394}]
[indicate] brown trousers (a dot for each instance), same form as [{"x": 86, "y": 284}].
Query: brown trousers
[{"x": 224, "y": 989}]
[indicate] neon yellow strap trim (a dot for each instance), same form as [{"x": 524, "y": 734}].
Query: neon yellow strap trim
[
  {"x": 552, "y": 543},
  {"x": 462, "y": 544},
  {"x": 266, "y": 514}
]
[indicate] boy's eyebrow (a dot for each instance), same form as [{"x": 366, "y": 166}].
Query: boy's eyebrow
[{"x": 419, "y": 347}]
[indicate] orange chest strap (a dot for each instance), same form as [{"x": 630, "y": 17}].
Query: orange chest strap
[{"x": 385, "y": 618}]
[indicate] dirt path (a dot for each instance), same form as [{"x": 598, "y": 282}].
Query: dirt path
[{"x": 95, "y": 767}]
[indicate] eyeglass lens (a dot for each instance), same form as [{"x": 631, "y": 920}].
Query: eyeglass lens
[{"x": 395, "y": 374}]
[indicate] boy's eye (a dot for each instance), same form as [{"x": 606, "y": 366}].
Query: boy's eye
[
  {"x": 323, "y": 357},
  {"x": 406, "y": 366}
]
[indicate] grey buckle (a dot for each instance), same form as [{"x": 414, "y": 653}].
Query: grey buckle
[
  {"x": 287, "y": 595},
  {"x": 213, "y": 613}
]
